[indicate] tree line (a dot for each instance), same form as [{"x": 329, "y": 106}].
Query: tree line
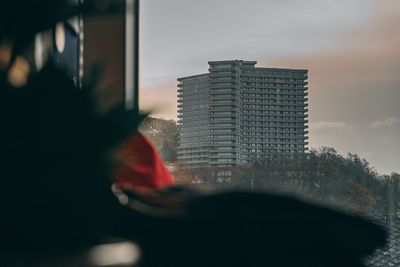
[{"x": 322, "y": 175}]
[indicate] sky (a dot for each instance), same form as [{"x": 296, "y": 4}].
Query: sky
[{"x": 350, "y": 47}]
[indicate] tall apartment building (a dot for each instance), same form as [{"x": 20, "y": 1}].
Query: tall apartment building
[{"x": 238, "y": 114}]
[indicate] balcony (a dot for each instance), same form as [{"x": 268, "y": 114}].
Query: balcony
[
  {"x": 216, "y": 74},
  {"x": 217, "y": 108},
  {"x": 226, "y": 103},
  {"x": 224, "y": 85},
  {"x": 227, "y": 135},
  {"x": 216, "y": 116},
  {"x": 215, "y": 81},
  {"x": 221, "y": 127},
  {"x": 275, "y": 108},
  {"x": 214, "y": 145},
  {"x": 224, "y": 92},
  {"x": 225, "y": 158},
  {"x": 216, "y": 68}
]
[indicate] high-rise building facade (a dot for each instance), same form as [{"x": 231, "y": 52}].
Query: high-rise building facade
[{"x": 238, "y": 114}]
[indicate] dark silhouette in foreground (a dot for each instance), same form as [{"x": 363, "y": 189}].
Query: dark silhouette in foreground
[{"x": 56, "y": 155}]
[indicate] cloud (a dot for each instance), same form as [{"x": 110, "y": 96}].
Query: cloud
[
  {"x": 356, "y": 78},
  {"x": 388, "y": 122},
  {"x": 283, "y": 28},
  {"x": 329, "y": 126},
  {"x": 365, "y": 56}
]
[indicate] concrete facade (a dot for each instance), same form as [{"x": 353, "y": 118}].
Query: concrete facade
[{"x": 239, "y": 114}]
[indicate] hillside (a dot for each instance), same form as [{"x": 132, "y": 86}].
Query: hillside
[
  {"x": 322, "y": 175},
  {"x": 163, "y": 134}
]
